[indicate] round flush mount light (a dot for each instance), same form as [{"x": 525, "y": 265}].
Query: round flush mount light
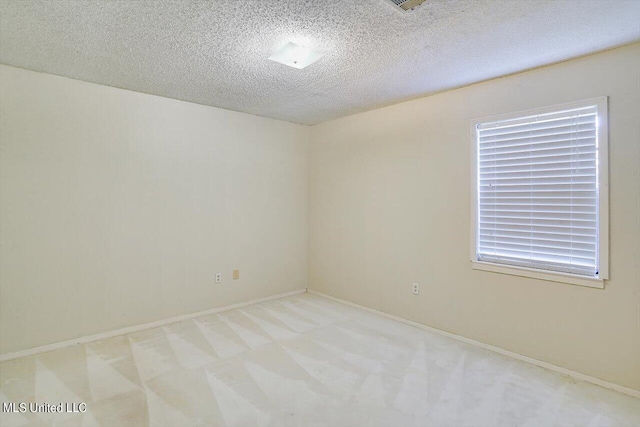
[{"x": 295, "y": 55}]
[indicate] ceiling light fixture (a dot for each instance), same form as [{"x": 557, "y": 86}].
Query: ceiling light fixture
[
  {"x": 295, "y": 56},
  {"x": 405, "y": 5}
]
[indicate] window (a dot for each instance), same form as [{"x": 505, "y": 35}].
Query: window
[{"x": 539, "y": 193}]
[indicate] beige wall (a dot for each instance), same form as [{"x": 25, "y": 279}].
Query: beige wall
[
  {"x": 118, "y": 208},
  {"x": 389, "y": 205}
]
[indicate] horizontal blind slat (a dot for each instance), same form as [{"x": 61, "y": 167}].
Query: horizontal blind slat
[
  {"x": 571, "y": 177},
  {"x": 538, "y": 243},
  {"x": 537, "y": 246},
  {"x": 539, "y": 223},
  {"x": 586, "y": 206},
  {"x": 543, "y": 151},
  {"x": 540, "y": 118},
  {"x": 497, "y": 193},
  {"x": 534, "y": 164},
  {"x": 540, "y": 159},
  {"x": 490, "y": 170},
  {"x": 528, "y": 127},
  {"x": 510, "y": 187},
  {"x": 538, "y": 198},
  {"x": 537, "y": 215},
  {"x": 556, "y": 231},
  {"x": 568, "y": 133},
  {"x": 548, "y": 254},
  {"x": 557, "y": 238}
]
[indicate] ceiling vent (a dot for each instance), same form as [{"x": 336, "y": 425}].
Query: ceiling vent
[{"x": 405, "y": 5}]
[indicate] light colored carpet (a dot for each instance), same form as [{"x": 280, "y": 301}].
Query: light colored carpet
[{"x": 300, "y": 361}]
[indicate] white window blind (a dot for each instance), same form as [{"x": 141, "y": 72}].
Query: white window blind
[{"x": 537, "y": 179}]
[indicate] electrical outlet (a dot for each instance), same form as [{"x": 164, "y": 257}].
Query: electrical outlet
[
  {"x": 218, "y": 277},
  {"x": 236, "y": 274},
  {"x": 415, "y": 289}
]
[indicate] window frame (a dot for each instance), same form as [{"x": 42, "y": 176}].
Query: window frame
[{"x": 603, "y": 198}]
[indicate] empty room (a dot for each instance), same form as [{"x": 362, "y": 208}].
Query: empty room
[{"x": 320, "y": 213}]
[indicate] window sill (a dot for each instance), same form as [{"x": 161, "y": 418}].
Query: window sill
[{"x": 572, "y": 279}]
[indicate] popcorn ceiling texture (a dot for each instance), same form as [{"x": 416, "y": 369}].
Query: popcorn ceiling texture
[{"x": 215, "y": 52}]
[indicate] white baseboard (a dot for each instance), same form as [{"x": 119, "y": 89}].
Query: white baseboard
[
  {"x": 137, "y": 328},
  {"x": 558, "y": 369}
]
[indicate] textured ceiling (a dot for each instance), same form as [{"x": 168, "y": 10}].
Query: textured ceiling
[{"x": 215, "y": 52}]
